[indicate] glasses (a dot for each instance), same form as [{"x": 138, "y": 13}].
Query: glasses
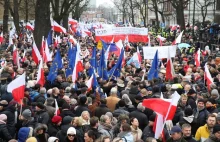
[{"x": 71, "y": 135}]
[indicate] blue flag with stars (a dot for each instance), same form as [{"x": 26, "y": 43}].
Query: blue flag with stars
[
  {"x": 102, "y": 70},
  {"x": 153, "y": 72},
  {"x": 71, "y": 56},
  {"x": 93, "y": 62},
  {"x": 115, "y": 71},
  {"x": 57, "y": 64}
]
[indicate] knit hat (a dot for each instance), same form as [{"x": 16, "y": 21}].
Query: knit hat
[
  {"x": 67, "y": 120},
  {"x": 56, "y": 119},
  {"x": 31, "y": 139},
  {"x": 216, "y": 128},
  {"x": 52, "y": 139},
  {"x": 26, "y": 114},
  {"x": 71, "y": 130},
  {"x": 3, "y": 118},
  {"x": 40, "y": 105},
  {"x": 215, "y": 92},
  {"x": 152, "y": 117},
  {"x": 188, "y": 111}
]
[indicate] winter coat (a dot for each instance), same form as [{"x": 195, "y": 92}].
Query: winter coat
[
  {"x": 61, "y": 134},
  {"x": 191, "y": 101},
  {"x": 101, "y": 110},
  {"x": 50, "y": 110},
  {"x": 126, "y": 136},
  {"x": 141, "y": 117},
  {"x": 24, "y": 133},
  {"x": 33, "y": 94},
  {"x": 212, "y": 109},
  {"x": 42, "y": 117},
  {"x": 105, "y": 130},
  {"x": 120, "y": 110},
  {"x": 67, "y": 113},
  {"x": 180, "y": 140},
  {"x": 111, "y": 102},
  {"x": 40, "y": 98},
  {"x": 53, "y": 129},
  {"x": 200, "y": 120},
  {"x": 5, "y": 136},
  {"x": 96, "y": 133},
  {"x": 10, "y": 112},
  {"x": 137, "y": 133},
  {"x": 189, "y": 120},
  {"x": 67, "y": 140},
  {"x": 212, "y": 138},
  {"x": 190, "y": 139},
  {"x": 178, "y": 115},
  {"x": 41, "y": 137},
  {"x": 202, "y": 133},
  {"x": 80, "y": 109},
  {"x": 29, "y": 123}
]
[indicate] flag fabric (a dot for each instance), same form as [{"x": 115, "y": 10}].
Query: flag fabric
[
  {"x": 48, "y": 57},
  {"x": 149, "y": 44},
  {"x": 116, "y": 70},
  {"x": 57, "y": 28},
  {"x": 57, "y": 41},
  {"x": 50, "y": 38},
  {"x": 57, "y": 111},
  {"x": 109, "y": 49},
  {"x": 42, "y": 49},
  {"x": 72, "y": 21},
  {"x": 127, "y": 44},
  {"x": 57, "y": 64},
  {"x": 89, "y": 83},
  {"x": 153, "y": 72},
  {"x": 17, "y": 60},
  {"x": 71, "y": 57},
  {"x": 134, "y": 59},
  {"x": 40, "y": 74},
  {"x": 197, "y": 58},
  {"x": 93, "y": 62},
  {"x": 178, "y": 39},
  {"x": 169, "y": 67},
  {"x": 119, "y": 47},
  {"x": 1, "y": 37},
  {"x": 208, "y": 77},
  {"x": 102, "y": 69},
  {"x": 72, "y": 40},
  {"x": 15, "y": 54},
  {"x": 29, "y": 26},
  {"x": 16, "y": 87},
  {"x": 165, "y": 107},
  {"x": 158, "y": 125},
  {"x": 36, "y": 54},
  {"x": 161, "y": 39}
]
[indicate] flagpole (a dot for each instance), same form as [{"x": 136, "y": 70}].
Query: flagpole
[{"x": 21, "y": 106}]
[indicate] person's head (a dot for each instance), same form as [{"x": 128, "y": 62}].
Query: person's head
[
  {"x": 191, "y": 92},
  {"x": 106, "y": 139},
  {"x": 3, "y": 119},
  {"x": 187, "y": 87},
  {"x": 214, "y": 94},
  {"x": 210, "y": 103},
  {"x": 140, "y": 107},
  {"x": 76, "y": 122},
  {"x": 105, "y": 119},
  {"x": 94, "y": 122},
  {"x": 85, "y": 115},
  {"x": 201, "y": 104},
  {"x": 40, "y": 106},
  {"x": 89, "y": 136},
  {"x": 59, "y": 78},
  {"x": 26, "y": 115},
  {"x": 150, "y": 139},
  {"x": 176, "y": 133},
  {"x": 3, "y": 104},
  {"x": 55, "y": 91},
  {"x": 216, "y": 131},
  {"x": 114, "y": 91},
  {"x": 151, "y": 120},
  {"x": 53, "y": 139},
  {"x": 67, "y": 99},
  {"x": 43, "y": 91},
  {"x": 123, "y": 118},
  {"x": 125, "y": 127},
  {"x": 40, "y": 129},
  {"x": 134, "y": 122},
  {"x": 186, "y": 130},
  {"x": 56, "y": 120},
  {"x": 71, "y": 133},
  {"x": 211, "y": 120},
  {"x": 183, "y": 99},
  {"x": 121, "y": 103}
]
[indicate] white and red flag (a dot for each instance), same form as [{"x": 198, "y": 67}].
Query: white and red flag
[
  {"x": 178, "y": 39},
  {"x": 29, "y": 26},
  {"x": 40, "y": 74},
  {"x": 16, "y": 87},
  {"x": 208, "y": 77},
  {"x": 197, "y": 58},
  {"x": 89, "y": 83},
  {"x": 169, "y": 67},
  {"x": 57, "y": 28},
  {"x": 1, "y": 38},
  {"x": 36, "y": 54}
]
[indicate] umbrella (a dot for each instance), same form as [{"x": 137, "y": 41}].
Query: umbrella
[{"x": 182, "y": 45}]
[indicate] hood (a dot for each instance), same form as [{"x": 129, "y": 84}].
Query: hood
[
  {"x": 189, "y": 119},
  {"x": 64, "y": 128},
  {"x": 23, "y": 134},
  {"x": 39, "y": 127}
]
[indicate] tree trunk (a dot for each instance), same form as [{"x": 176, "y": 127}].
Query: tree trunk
[
  {"x": 145, "y": 14},
  {"x": 16, "y": 16},
  {"x": 180, "y": 16},
  {"x": 217, "y": 13},
  {"x": 65, "y": 21},
  {"x": 26, "y": 11},
  {"x": 132, "y": 12},
  {"x": 42, "y": 21},
  {"x": 156, "y": 13},
  {"x": 5, "y": 16}
]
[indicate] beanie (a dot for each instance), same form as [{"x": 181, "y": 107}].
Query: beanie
[
  {"x": 52, "y": 139},
  {"x": 71, "y": 130},
  {"x": 56, "y": 119},
  {"x": 216, "y": 128},
  {"x": 188, "y": 111},
  {"x": 26, "y": 114},
  {"x": 40, "y": 105}
]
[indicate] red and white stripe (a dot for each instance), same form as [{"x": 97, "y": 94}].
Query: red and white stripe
[
  {"x": 40, "y": 74},
  {"x": 169, "y": 67},
  {"x": 197, "y": 58},
  {"x": 178, "y": 39},
  {"x": 35, "y": 53},
  {"x": 15, "y": 54},
  {"x": 72, "y": 40},
  {"x": 48, "y": 57},
  {"x": 72, "y": 21},
  {"x": 1, "y": 37},
  {"x": 208, "y": 77},
  {"x": 29, "y": 27},
  {"x": 16, "y": 87},
  {"x": 57, "y": 28},
  {"x": 89, "y": 83}
]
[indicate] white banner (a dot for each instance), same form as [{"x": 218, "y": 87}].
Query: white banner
[
  {"x": 121, "y": 31},
  {"x": 149, "y": 52}
]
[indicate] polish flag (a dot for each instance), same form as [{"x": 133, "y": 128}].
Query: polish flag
[
  {"x": 208, "y": 77},
  {"x": 107, "y": 51},
  {"x": 42, "y": 49},
  {"x": 158, "y": 126},
  {"x": 17, "y": 60},
  {"x": 1, "y": 38},
  {"x": 78, "y": 67},
  {"x": 197, "y": 58},
  {"x": 15, "y": 54},
  {"x": 57, "y": 41},
  {"x": 57, "y": 28},
  {"x": 24, "y": 58},
  {"x": 169, "y": 67},
  {"x": 119, "y": 47},
  {"x": 127, "y": 44},
  {"x": 35, "y": 53},
  {"x": 72, "y": 21},
  {"x": 161, "y": 39},
  {"x": 72, "y": 40},
  {"x": 40, "y": 74},
  {"x": 29, "y": 27},
  {"x": 163, "y": 106},
  {"x": 178, "y": 39},
  {"x": 57, "y": 110},
  {"x": 87, "y": 32},
  {"x": 48, "y": 56},
  {"x": 89, "y": 83},
  {"x": 139, "y": 55},
  {"x": 16, "y": 87}
]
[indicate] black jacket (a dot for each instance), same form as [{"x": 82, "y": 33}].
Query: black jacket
[
  {"x": 191, "y": 101},
  {"x": 141, "y": 117},
  {"x": 40, "y": 98},
  {"x": 42, "y": 116},
  {"x": 201, "y": 119},
  {"x": 190, "y": 139},
  {"x": 101, "y": 110},
  {"x": 62, "y": 133},
  {"x": 80, "y": 109},
  {"x": 4, "y": 133},
  {"x": 67, "y": 113},
  {"x": 53, "y": 129}
]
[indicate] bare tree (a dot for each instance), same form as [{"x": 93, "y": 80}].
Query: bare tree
[
  {"x": 26, "y": 9},
  {"x": 122, "y": 6},
  {"x": 179, "y": 6},
  {"x": 5, "y": 16},
  {"x": 204, "y": 7},
  {"x": 141, "y": 5},
  {"x": 79, "y": 8},
  {"x": 131, "y": 6}
]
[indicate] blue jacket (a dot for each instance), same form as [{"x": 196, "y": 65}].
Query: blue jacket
[{"x": 23, "y": 134}]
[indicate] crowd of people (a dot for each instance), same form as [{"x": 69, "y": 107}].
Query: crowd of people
[{"x": 113, "y": 111}]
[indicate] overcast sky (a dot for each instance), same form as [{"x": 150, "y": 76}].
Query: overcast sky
[{"x": 104, "y": 1}]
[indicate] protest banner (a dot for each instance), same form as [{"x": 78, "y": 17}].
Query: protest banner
[
  {"x": 134, "y": 34},
  {"x": 149, "y": 52}
]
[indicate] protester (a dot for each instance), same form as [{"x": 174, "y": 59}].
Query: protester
[
  {"x": 176, "y": 135},
  {"x": 186, "y": 130}
]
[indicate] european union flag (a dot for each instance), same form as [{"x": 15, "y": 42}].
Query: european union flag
[
  {"x": 71, "y": 56},
  {"x": 57, "y": 64},
  {"x": 49, "y": 38},
  {"x": 115, "y": 71},
  {"x": 93, "y": 62},
  {"x": 153, "y": 73},
  {"x": 104, "y": 45},
  {"x": 102, "y": 70}
]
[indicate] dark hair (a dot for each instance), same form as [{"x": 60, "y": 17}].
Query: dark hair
[
  {"x": 211, "y": 115},
  {"x": 121, "y": 103},
  {"x": 103, "y": 101},
  {"x": 126, "y": 127},
  {"x": 132, "y": 119},
  {"x": 93, "y": 121},
  {"x": 91, "y": 134}
]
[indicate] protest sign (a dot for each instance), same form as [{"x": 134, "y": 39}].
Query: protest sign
[{"x": 149, "y": 52}]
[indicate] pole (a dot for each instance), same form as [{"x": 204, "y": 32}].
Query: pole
[
  {"x": 194, "y": 9},
  {"x": 189, "y": 12}
]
